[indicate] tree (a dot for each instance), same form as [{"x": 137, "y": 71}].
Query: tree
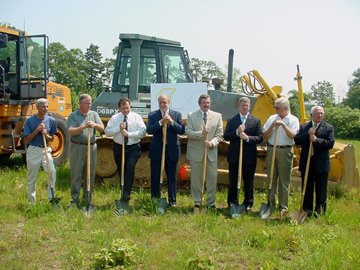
[
  {"x": 94, "y": 69},
  {"x": 323, "y": 94},
  {"x": 295, "y": 102},
  {"x": 208, "y": 69},
  {"x": 353, "y": 95}
]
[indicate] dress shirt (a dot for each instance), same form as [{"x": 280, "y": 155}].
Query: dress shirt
[
  {"x": 282, "y": 139},
  {"x": 136, "y": 128}
]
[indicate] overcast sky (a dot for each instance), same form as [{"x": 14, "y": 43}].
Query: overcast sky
[{"x": 272, "y": 36}]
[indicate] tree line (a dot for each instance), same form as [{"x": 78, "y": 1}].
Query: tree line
[{"x": 89, "y": 73}]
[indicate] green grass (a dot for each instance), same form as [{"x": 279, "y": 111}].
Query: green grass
[{"x": 40, "y": 237}]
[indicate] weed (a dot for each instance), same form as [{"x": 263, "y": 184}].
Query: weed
[
  {"x": 120, "y": 253},
  {"x": 200, "y": 263}
]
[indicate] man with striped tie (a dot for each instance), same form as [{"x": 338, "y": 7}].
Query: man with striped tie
[{"x": 204, "y": 129}]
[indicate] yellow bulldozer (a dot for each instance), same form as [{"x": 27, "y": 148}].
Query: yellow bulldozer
[
  {"x": 142, "y": 60},
  {"x": 23, "y": 80}
]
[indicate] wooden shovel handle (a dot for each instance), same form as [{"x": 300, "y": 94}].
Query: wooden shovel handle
[
  {"x": 306, "y": 176},
  {"x": 47, "y": 161},
  {"x": 163, "y": 155},
  {"x": 273, "y": 160},
  {"x": 88, "y": 162},
  {"x": 240, "y": 163},
  {"x": 204, "y": 173}
]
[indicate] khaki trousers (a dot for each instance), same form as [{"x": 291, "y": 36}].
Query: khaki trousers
[{"x": 281, "y": 177}]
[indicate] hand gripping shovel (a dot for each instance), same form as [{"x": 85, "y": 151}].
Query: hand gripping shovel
[
  {"x": 54, "y": 201},
  {"x": 90, "y": 208},
  {"x": 299, "y": 216},
  {"x": 161, "y": 208},
  {"x": 266, "y": 210},
  {"x": 237, "y": 209},
  {"x": 122, "y": 207}
]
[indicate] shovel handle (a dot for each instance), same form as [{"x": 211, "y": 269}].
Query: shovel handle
[
  {"x": 88, "y": 162},
  {"x": 306, "y": 175},
  {"x": 122, "y": 161},
  {"x": 163, "y": 154},
  {"x": 204, "y": 173},
  {"x": 47, "y": 162},
  {"x": 273, "y": 160},
  {"x": 240, "y": 163}
]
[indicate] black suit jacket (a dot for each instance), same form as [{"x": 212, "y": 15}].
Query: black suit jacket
[
  {"x": 325, "y": 141},
  {"x": 252, "y": 129},
  {"x": 173, "y": 144}
]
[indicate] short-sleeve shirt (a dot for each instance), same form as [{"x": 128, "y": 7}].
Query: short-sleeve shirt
[
  {"x": 282, "y": 139},
  {"x": 32, "y": 123},
  {"x": 77, "y": 119}
]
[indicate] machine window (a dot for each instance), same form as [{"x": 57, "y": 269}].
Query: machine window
[{"x": 174, "y": 70}]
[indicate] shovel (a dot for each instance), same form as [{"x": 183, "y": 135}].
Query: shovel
[
  {"x": 122, "y": 207},
  {"x": 90, "y": 208},
  {"x": 237, "y": 209},
  {"x": 196, "y": 210},
  {"x": 162, "y": 202},
  {"x": 299, "y": 216},
  {"x": 54, "y": 201},
  {"x": 266, "y": 210}
]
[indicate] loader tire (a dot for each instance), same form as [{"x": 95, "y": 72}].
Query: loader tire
[{"x": 61, "y": 143}]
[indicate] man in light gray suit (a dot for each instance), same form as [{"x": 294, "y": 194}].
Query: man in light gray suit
[{"x": 200, "y": 125}]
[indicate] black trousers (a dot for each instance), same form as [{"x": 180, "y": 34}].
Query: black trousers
[
  {"x": 132, "y": 154},
  {"x": 248, "y": 174},
  {"x": 171, "y": 173},
  {"x": 320, "y": 182}
]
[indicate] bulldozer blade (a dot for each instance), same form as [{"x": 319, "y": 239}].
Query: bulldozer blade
[
  {"x": 236, "y": 210},
  {"x": 122, "y": 207},
  {"x": 266, "y": 210},
  {"x": 162, "y": 205},
  {"x": 299, "y": 217}
]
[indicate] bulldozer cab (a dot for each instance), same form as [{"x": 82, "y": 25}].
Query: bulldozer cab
[
  {"x": 142, "y": 60},
  {"x": 23, "y": 65}
]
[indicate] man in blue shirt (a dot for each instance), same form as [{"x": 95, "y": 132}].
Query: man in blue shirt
[{"x": 34, "y": 128}]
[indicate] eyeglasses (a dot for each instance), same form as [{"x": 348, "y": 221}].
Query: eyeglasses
[{"x": 277, "y": 108}]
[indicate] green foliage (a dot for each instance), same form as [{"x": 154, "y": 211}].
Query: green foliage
[
  {"x": 120, "y": 253},
  {"x": 200, "y": 263},
  {"x": 208, "y": 69},
  {"x": 353, "y": 95},
  {"x": 345, "y": 120},
  {"x": 323, "y": 94},
  {"x": 295, "y": 103}
]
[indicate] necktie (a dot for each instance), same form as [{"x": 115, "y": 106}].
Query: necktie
[
  {"x": 126, "y": 138},
  {"x": 243, "y": 119},
  {"x": 205, "y": 118}
]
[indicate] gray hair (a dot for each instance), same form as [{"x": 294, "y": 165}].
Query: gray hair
[
  {"x": 283, "y": 102},
  {"x": 203, "y": 96},
  {"x": 84, "y": 96},
  {"x": 164, "y": 96},
  {"x": 316, "y": 107},
  {"x": 41, "y": 101},
  {"x": 244, "y": 99}
]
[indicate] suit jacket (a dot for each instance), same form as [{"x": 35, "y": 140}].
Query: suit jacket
[
  {"x": 324, "y": 142},
  {"x": 252, "y": 129},
  {"x": 154, "y": 128},
  {"x": 194, "y": 126}
]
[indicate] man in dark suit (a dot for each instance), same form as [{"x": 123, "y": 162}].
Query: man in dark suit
[
  {"x": 175, "y": 127},
  {"x": 247, "y": 127},
  {"x": 322, "y": 136}
]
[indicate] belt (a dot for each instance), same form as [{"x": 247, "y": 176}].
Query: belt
[
  {"x": 82, "y": 143},
  {"x": 41, "y": 146},
  {"x": 280, "y": 146}
]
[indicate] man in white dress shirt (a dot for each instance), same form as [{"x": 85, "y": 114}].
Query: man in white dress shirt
[
  {"x": 131, "y": 126},
  {"x": 287, "y": 125}
]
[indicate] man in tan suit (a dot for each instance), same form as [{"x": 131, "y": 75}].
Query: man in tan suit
[{"x": 200, "y": 125}]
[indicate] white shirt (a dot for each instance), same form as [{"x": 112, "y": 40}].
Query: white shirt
[
  {"x": 136, "y": 128},
  {"x": 282, "y": 139}
]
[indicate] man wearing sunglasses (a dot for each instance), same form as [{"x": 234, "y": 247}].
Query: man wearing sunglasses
[{"x": 287, "y": 126}]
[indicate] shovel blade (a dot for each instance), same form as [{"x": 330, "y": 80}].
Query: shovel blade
[
  {"x": 122, "y": 207},
  {"x": 162, "y": 205},
  {"x": 88, "y": 210},
  {"x": 266, "y": 210},
  {"x": 299, "y": 217},
  {"x": 236, "y": 210}
]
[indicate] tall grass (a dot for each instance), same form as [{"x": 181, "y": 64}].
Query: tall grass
[{"x": 41, "y": 237}]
